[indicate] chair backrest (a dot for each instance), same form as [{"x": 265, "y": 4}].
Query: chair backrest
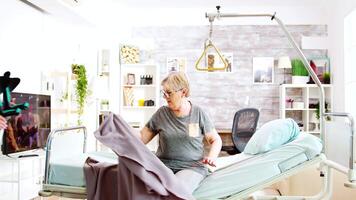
[{"x": 244, "y": 126}]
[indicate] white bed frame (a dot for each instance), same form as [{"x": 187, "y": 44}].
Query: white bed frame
[
  {"x": 325, "y": 165},
  {"x": 49, "y": 189}
]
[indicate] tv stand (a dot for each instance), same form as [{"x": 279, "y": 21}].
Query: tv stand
[
  {"x": 28, "y": 155},
  {"x": 24, "y": 173}
]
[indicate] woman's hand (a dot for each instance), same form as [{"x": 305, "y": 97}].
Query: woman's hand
[
  {"x": 214, "y": 140},
  {"x": 3, "y": 123},
  {"x": 210, "y": 161}
]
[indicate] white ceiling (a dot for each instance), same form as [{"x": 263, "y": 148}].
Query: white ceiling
[
  {"x": 176, "y": 12},
  {"x": 213, "y": 3},
  {"x": 120, "y": 14}
]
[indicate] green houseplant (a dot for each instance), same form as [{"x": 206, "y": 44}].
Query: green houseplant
[
  {"x": 326, "y": 78},
  {"x": 317, "y": 111},
  {"x": 81, "y": 88},
  {"x": 300, "y": 74}
]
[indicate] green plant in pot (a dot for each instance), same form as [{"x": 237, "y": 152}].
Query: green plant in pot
[
  {"x": 317, "y": 111},
  {"x": 300, "y": 74},
  {"x": 326, "y": 78},
  {"x": 81, "y": 88}
]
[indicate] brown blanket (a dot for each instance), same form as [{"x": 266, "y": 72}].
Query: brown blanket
[{"x": 140, "y": 175}]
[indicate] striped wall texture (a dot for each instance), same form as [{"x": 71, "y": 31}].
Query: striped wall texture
[{"x": 222, "y": 94}]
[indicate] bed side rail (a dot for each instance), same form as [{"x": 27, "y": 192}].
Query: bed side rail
[
  {"x": 285, "y": 165},
  {"x": 352, "y": 166},
  {"x": 48, "y": 147}
]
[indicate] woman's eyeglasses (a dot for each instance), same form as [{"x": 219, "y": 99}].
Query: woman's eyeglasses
[{"x": 168, "y": 94}]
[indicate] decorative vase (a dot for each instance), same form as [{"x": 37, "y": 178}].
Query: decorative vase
[{"x": 300, "y": 79}]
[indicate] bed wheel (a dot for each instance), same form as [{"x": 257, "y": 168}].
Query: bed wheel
[
  {"x": 322, "y": 174},
  {"x": 45, "y": 193},
  {"x": 350, "y": 185}
]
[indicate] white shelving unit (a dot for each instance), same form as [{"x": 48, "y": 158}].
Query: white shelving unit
[
  {"x": 303, "y": 110},
  {"x": 134, "y": 92},
  {"x": 106, "y": 83},
  {"x": 103, "y": 80},
  {"x": 59, "y": 84}
]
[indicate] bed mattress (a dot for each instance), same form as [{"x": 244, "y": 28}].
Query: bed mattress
[
  {"x": 232, "y": 178},
  {"x": 69, "y": 171},
  {"x": 233, "y": 174}
]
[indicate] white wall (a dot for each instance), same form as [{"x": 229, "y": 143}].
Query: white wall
[
  {"x": 21, "y": 45},
  {"x": 340, "y": 9},
  {"x": 338, "y": 135},
  {"x": 32, "y": 42}
]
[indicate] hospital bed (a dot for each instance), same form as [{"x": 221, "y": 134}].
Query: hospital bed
[{"x": 65, "y": 176}]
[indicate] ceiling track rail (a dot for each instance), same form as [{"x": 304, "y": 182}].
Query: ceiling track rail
[{"x": 34, "y": 6}]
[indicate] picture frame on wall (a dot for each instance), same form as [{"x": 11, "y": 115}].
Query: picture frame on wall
[
  {"x": 321, "y": 66},
  {"x": 129, "y": 54},
  {"x": 176, "y": 64},
  {"x": 214, "y": 61},
  {"x": 131, "y": 79},
  {"x": 263, "y": 70}
]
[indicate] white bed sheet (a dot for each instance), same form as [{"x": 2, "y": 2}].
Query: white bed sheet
[
  {"x": 69, "y": 171},
  {"x": 232, "y": 175},
  {"x": 249, "y": 171}
]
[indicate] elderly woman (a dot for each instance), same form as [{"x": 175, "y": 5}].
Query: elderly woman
[{"x": 181, "y": 127}]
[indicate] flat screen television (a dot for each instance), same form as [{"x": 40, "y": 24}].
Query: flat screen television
[{"x": 30, "y": 129}]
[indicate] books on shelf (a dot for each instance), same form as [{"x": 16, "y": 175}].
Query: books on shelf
[{"x": 128, "y": 96}]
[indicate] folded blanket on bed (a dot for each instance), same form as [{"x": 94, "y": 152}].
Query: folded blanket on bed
[{"x": 140, "y": 175}]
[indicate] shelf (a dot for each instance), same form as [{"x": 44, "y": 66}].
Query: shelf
[
  {"x": 139, "y": 107},
  {"x": 314, "y": 132},
  {"x": 296, "y": 109},
  {"x": 140, "y": 86},
  {"x": 139, "y": 65},
  {"x": 104, "y": 73},
  {"x": 131, "y": 96},
  {"x": 304, "y": 85},
  {"x": 308, "y": 94}
]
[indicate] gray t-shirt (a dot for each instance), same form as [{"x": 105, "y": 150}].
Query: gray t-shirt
[{"x": 181, "y": 138}]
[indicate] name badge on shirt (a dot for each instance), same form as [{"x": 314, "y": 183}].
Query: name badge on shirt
[{"x": 193, "y": 129}]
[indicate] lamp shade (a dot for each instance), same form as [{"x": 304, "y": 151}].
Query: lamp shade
[{"x": 284, "y": 62}]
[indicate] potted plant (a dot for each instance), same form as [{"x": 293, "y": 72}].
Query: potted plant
[
  {"x": 300, "y": 74},
  {"x": 317, "y": 111},
  {"x": 326, "y": 78},
  {"x": 104, "y": 104},
  {"x": 81, "y": 88}
]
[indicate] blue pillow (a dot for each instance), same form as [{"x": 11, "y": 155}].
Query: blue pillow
[{"x": 272, "y": 135}]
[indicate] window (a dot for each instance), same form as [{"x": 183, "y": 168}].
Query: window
[{"x": 350, "y": 62}]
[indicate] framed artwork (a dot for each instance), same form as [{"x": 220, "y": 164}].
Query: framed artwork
[
  {"x": 130, "y": 79},
  {"x": 321, "y": 66},
  {"x": 176, "y": 64},
  {"x": 213, "y": 61},
  {"x": 263, "y": 70},
  {"x": 129, "y": 54}
]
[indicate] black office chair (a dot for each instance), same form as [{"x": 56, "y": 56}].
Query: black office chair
[{"x": 243, "y": 127}]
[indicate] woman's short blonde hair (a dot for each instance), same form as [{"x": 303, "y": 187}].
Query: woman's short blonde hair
[{"x": 177, "y": 81}]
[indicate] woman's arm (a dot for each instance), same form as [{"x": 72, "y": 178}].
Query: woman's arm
[
  {"x": 214, "y": 140},
  {"x": 146, "y": 135}
]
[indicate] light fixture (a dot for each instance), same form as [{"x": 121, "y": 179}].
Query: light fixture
[{"x": 284, "y": 63}]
